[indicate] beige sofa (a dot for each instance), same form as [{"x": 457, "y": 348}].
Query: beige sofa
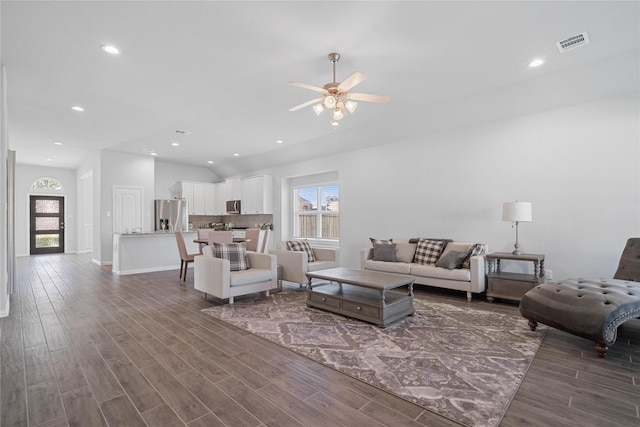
[{"x": 471, "y": 280}]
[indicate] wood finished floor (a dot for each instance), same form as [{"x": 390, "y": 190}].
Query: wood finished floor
[{"x": 85, "y": 347}]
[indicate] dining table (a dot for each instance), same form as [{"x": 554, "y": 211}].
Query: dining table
[{"x": 235, "y": 240}]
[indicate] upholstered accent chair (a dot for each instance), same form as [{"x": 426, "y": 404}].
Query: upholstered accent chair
[
  {"x": 214, "y": 275},
  {"x": 295, "y": 264}
]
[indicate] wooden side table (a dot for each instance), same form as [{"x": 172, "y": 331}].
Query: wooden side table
[{"x": 512, "y": 286}]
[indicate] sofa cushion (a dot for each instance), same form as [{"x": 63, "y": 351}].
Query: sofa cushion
[
  {"x": 302, "y": 246},
  {"x": 440, "y": 273},
  {"x": 249, "y": 277},
  {"x": 389, "y": 267},
  {"x": 236, "y": 253},
  {"x": 451, "y": 259},
  {"x": 477, "y": 249},
  {"x": 428, "y": 251},
  {"x": 384, "y": 252},
  {"x": 405, "y": 251}
]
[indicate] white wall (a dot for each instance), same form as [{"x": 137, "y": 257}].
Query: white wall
[
  {"x": 119, "y": 168},
  {"x": 5, "y": 258},
  {"x": 25, "y": 176},
  {"x": 577, "y": 165},
  {"x": 167, "y": 174}
]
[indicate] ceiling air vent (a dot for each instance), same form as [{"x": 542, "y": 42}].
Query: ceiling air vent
[{"x": 572, "y": 42}]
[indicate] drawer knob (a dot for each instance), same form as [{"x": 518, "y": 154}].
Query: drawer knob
[
  {"x": 358, "y": 308},
  {"x": 324, "y": 299}
]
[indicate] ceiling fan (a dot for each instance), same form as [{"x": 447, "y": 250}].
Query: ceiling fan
[{"x": 336, "y": 96}]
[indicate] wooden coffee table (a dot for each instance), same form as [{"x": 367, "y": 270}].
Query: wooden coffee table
[{"x": 361, "y": 294}]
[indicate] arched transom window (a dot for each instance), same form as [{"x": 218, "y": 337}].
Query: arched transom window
[{"x": 46, "y": 184}]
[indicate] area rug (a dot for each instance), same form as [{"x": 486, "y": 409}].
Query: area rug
[{"x": 462, "y": 363}]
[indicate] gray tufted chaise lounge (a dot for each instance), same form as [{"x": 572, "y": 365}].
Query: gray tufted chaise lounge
[{"x": 589, "y": 308}]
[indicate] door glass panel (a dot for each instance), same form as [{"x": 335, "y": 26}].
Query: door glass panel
[
  {"x": 47, "y": 223},
  {"x": 47, "y": 240},
  {"x": 47, "y": 206}
]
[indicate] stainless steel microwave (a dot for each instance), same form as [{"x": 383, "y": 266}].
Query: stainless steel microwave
[{"x": 233, "y": 206}]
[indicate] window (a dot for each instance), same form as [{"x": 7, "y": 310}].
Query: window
[
  {"x": 316, "y": 212},
  {"x": 46, "y": 184}
]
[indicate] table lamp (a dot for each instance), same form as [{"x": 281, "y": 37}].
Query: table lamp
[{"x": 516, "y": 212}]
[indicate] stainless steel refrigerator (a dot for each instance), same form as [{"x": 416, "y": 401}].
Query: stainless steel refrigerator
[{"x": 172, "y": 215}]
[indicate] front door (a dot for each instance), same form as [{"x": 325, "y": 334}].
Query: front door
[{"x": 47, "y": 224}]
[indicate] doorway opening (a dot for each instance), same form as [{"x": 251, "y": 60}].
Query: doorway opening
[{"x": 46, "y": 230}]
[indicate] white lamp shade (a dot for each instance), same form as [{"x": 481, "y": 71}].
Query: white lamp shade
[
  {"x": 318, "y": 109},
  {"x": 329, "y": 101},
  {"x": 517, "y": 212}
]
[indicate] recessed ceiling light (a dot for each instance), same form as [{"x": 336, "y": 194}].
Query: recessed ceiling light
[
  {"x": 175, "y": 144},
  {"x": 536, "y": 63},
  {"x": 154, "y": 154},
  {"x": 279, "y": 141},
  {"x": 49, "y": 160},
  {"x": 236, "y": 154},
  {"x": 335, "y": 124},
  {"x": 77, "y": 108},
  {"x": 58, "y": 143},
  {"x": 210, "y": 162},
  {"x": 110, "y": 49}
]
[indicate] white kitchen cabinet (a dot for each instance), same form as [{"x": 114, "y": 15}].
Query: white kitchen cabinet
[
  {"x": 186, "y": 191},
  {"x": 200, "y": 197},
  {"x": 227, "y": 190},
  {"x": 257, "y": 195},
  {"x": 209, "y": 199}
]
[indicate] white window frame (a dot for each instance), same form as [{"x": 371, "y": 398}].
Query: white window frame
[{"x": 318, "y": 241}]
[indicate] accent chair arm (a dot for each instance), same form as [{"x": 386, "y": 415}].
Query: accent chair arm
[
  {"x": 294, "y": 265},
  {"x": 212, "y": 275},
  {"x": 262, "y": 260},
  {"x": 325, "y": 254}
]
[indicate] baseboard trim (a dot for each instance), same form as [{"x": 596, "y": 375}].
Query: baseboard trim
[{"x": 97, "y": 261}]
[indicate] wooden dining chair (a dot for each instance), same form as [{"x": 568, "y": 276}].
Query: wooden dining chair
[
  {"x": 219, "y": 236},
  {"x": 253, "y": 239},
  {"x": 185, "y": 258}
]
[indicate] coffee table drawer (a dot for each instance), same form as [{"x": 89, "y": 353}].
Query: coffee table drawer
[
  {"x": 362, "y": 309},
  {"x": 324, "y": 299}
]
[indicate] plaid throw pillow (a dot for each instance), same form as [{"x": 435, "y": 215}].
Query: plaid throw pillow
[
  {"x": 477, "y": 249},
  {"x": 428, "y": 251},
  {"x": 236, "y": 253},
  {"x": 302, "y": 246}
]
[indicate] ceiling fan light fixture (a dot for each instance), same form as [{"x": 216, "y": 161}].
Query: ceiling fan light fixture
[
  {"x": 337, "y": 114},
  {"x": 318, "y": 109},
  {"x": 329, "y": 101},
  {"x": 351, "y": 106}
]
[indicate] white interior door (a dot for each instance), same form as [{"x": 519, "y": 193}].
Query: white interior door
[{"x": 127, "y": 208}]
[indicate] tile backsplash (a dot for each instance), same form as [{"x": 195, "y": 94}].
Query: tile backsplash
[{"x": 238, "y": 221}]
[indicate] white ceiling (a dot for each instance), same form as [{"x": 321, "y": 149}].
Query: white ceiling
[{"x": 220, "y": 70}]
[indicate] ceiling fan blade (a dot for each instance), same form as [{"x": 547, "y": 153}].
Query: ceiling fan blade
[
  {"x": 352, "y": 80},
  {"x": 304, "y": 104},
  {"x": 368, "y": 97},
  {"x": 306, "y": 86}
]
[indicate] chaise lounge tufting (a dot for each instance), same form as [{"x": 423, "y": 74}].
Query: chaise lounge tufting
[{"x": 589, "y": 308}]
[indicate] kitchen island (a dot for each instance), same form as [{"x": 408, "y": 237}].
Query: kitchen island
[{"x": 135, "y": 253}]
